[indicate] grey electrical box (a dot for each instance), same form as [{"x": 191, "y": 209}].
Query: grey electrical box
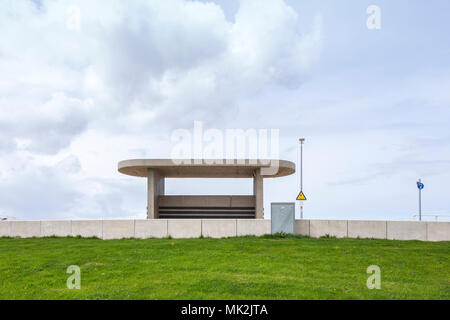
[{"x": 282, "y": 215}]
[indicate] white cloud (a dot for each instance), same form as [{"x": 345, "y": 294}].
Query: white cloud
[
  {"x": 47, "y": 126},
  {"x": 73, "y": 102}
]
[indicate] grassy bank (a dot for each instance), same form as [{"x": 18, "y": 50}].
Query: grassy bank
[{"x": 234, "y": 268}]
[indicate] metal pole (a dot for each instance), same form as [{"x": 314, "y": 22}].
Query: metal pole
[
  {"x": 420, "y": 205},
  {"x": 301, "y": 165},
  {"x": 420, "y": 199},
  {"x": 301, "y": 174}
]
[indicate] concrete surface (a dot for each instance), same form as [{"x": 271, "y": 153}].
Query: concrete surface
[
  {"x": 255, "y": 227},
  {"x": 150, "y": 229},
  {"x": 87, "y": 228},
  {"x": 438, "y": 231},
  {"x": 5, "y": 229},
  {"x": 333, "y": 228},
  {"x": 406, "y": 230},
  {"x": 184, "y": 228},
  {"x": 155, "y": 189},
  {"x": 204, "y": 168},
  {"x": 367, "y": 229},
  {"x": 118, "y": 229},
  {"x": 219, "y": 228},
  {"x": 301, "y": 227},
  {"x": 207, "y": 201},
  {"x": 156, "y": 170},
  {"x": 25, "y": 229},
  {"x": 258, "y": 192},
  {"x": 61, "y": 228}
]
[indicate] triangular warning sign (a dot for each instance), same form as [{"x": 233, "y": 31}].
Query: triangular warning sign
[{"x": 301, "y": 196}]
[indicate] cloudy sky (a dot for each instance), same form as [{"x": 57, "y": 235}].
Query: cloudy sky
[{"x": 85, "y": 84}]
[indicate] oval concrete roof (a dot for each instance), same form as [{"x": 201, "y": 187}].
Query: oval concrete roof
[{"x": 207, "y": 168}]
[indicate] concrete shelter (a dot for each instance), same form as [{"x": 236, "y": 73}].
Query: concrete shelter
[{"x": 161, "y": 206}]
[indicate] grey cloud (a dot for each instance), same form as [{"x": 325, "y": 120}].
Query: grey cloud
[
  {"x": 55, "y": 192},
  {"x": 133, "y": 67},
  {"x": 40, "y": 191},
  {"x": 6, "y": 143},
  {"x": 194, "y": 64},
  {"x": 48, "y": 126},
  {"x": 175, "y": 57}
]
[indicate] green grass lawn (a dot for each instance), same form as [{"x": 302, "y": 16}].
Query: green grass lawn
[{"x": 233, "y": 268}]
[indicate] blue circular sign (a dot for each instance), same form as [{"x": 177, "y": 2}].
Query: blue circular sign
[{"x": 420, "y": 185}]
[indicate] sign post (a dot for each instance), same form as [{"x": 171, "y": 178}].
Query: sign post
[
  {"x": 301, "y": 196},
  {"x": 420, "y": 186}
]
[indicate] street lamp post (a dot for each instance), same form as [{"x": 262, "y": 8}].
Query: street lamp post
[{"x": 301, "y": 140}]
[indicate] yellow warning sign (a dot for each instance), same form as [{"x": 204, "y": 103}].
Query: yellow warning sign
[{"x": 301, "y": 196}]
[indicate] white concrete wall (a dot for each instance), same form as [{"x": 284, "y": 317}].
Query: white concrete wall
[
  {"x": 438, "y": 231},
  {"x": 25, "y": 229},
  {"x": 56, "y": 228},
  {"x": 367, "y": 229},
  {"x": 87, "y": 228},
  {"x": 302, "y": 227},
  {"x": 118, "y": 229},
  {"x": 406, "y": 230},
  {"x": 252, "y": 227},
  {"x": 156, "y": 228},
  {"x": 333, "y": 228},
  {"x": 5, "y": 229},
  {"x": 184, "y": 228},
  {"x": 219, "y": 228}
]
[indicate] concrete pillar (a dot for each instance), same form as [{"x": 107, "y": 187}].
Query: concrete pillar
[
  {"x": 155, "y": 188},
  {"x": 258, "y": 193}
]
